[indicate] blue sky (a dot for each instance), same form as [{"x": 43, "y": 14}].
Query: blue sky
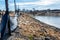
[{"x": 30, "y": 4}]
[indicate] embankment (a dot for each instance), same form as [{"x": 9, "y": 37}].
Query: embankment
[{"x": 35, "y": 29}]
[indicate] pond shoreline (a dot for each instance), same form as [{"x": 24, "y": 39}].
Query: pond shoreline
[
  {"x": 50, "y": 20},
  {"x": 46, "y": 24}
]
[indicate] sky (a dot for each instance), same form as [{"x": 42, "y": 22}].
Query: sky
[{"x": 30, "y": 4}]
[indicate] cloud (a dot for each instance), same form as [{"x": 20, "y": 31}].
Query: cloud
[
  {"x": 48, "y": 2},
  {"x": 40, "y": 2}
]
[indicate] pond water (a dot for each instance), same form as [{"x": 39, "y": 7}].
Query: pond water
[{"x": 51, "y": 20}]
